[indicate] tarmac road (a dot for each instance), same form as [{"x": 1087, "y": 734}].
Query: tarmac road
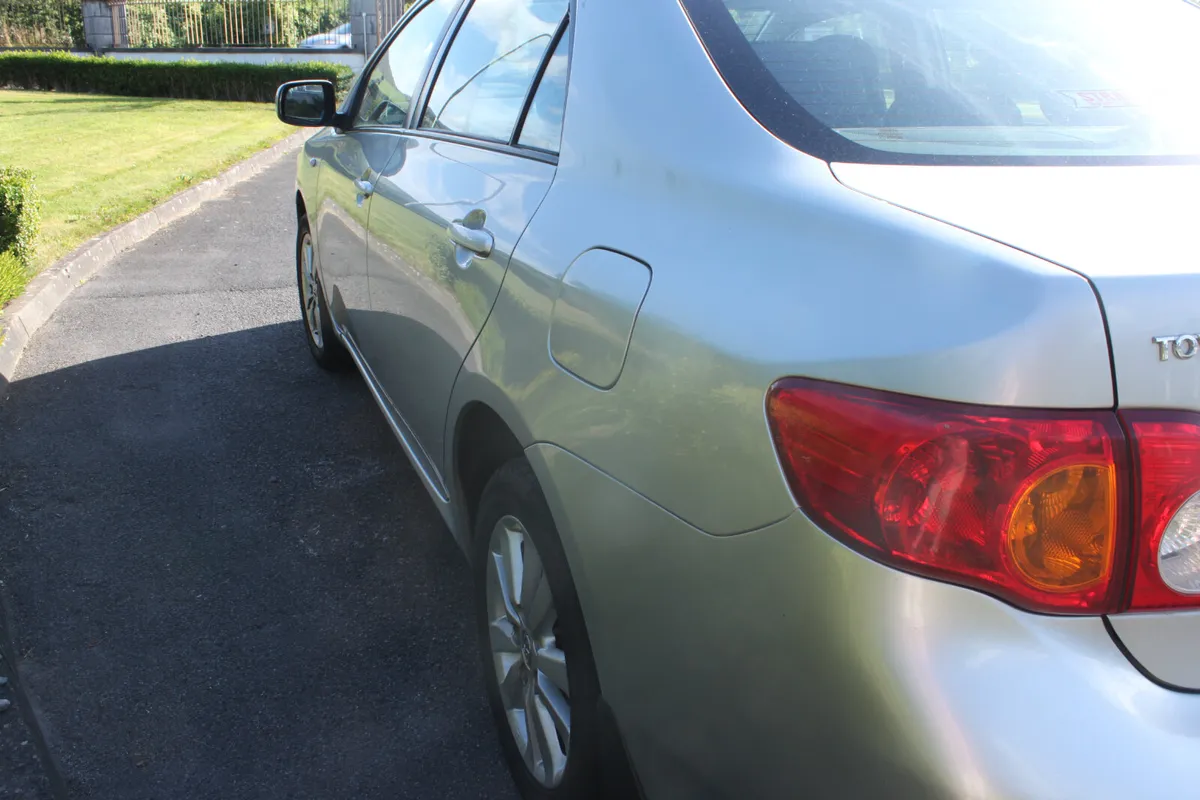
[{"x": 222, "y": 576}]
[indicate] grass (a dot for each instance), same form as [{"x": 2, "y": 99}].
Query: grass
[
  {"x": 12, "y": 278},
  {"x": 99, "y": 161}
]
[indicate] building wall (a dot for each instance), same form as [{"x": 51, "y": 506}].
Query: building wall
[{"x": 351, "y": 59}]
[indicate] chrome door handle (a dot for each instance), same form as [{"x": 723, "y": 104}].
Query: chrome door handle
[
  {"x": 366, "y": 188},
  {"x": 478, "y": 240}
]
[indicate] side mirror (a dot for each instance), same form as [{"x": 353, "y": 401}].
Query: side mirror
[{"x": 309, "y": 104}]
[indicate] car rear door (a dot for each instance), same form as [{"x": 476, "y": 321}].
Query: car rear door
[
  {"x": 455, "y": 198},
  {"x": 352, "y": 158}
]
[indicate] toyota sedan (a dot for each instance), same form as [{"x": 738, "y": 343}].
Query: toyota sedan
[{"x": 812, "y": 384}]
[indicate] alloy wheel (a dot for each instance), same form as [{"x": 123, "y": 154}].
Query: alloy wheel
[
  {"x": 531, "y": 669},
  {"x": 310, "y": 291}
]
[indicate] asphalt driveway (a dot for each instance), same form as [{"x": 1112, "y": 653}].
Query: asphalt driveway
[{"x": 224, "y": 580}]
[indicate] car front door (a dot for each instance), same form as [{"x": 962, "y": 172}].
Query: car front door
[
  {"x": 353, "y": 158},
  {"x": 457, "y": 195}
]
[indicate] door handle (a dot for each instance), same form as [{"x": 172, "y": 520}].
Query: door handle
[
  {"x": 478, "y": 240},
  {"x": 366, "y": 188}
]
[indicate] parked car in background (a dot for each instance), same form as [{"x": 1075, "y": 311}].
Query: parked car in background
[
  {"x": 812, "y": 383},
  {"x": 336, "y": 39}
]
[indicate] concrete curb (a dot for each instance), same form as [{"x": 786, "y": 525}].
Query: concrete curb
[{"x": 46, "y": 292}]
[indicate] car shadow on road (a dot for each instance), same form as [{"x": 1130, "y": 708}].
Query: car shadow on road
[{"x": 227, "y": 581}]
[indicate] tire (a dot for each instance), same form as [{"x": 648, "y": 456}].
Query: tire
[
  {"x": 512, "y": 495},
  {"x": 322, "y": 340}
]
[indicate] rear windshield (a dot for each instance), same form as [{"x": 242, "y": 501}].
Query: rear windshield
[{"x": 951, "y": 81}]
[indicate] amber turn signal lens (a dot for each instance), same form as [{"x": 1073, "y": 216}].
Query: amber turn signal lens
[
  {"x": 1025, "y": 504},
  {"x": 1062, "y": 530}
]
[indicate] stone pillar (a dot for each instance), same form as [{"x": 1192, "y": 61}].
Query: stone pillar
[
  {"x": 364, "y": 33},
  {"x": 98, "y": 25}
]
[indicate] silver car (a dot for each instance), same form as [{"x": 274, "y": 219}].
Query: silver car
[
  {"x": 338, "y": 38},
  {"x": 813, "y": 384}
]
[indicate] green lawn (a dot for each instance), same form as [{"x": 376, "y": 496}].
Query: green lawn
[{"x": 99, "y": 161}]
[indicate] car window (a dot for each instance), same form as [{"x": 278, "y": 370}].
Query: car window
[
  {"x": 542, "y": 127},
  {"x": 393, "y": 82},
  {"x": 490, "y": 67},
  {"x": 964, "y": 79}
]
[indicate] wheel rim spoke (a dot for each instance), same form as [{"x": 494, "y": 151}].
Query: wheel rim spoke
[
  {"x": 517, "y": 721},
  {"x": 538, "y": 613},
  {"x": 534, "y": 758},
  {"x": 512, "y": 567},
  {"x": 531, "y": 576},
  {"x": 536, "y": 601},
  {"x": 552, "y": 664},
  {"x": 312, "y": 311},
  {"x": 502, "y": 597},
  {"x": 543, "y": 732},
  {"x": 512, "y": 690},
  {"x": 503, "y": 637},
  {"x": 558, "y": 708}
]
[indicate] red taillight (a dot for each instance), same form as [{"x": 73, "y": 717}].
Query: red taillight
[
  {"x": 1166, "y": 452},
  {"x": 1026, "y": 505}
]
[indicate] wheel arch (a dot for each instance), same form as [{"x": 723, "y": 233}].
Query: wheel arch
[{"x": 483, "y": 442}]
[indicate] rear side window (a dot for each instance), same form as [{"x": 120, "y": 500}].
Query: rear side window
[
  {"x": 490, "y": 67},
  {"x": 393, "y": 82},
  {"x": 543, "y": 123},
  {"x": 947, "y": 81}
]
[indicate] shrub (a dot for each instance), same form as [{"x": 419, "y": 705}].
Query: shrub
[
  {"x": 19, "y": 217},
  {"x": 13, "y": 277},
  {"x": 197, "y": 80},
  {"x": 149, "y": 26},
  {"x": 38, "y": 23}
]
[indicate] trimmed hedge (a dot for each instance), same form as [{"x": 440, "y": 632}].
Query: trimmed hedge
[
  {"x": 195, "y": 80},
  {"x": 19, "y": 214}
]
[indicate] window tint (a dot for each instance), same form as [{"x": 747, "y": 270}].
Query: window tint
[
  {"x": 393, "y": 82},
  {"x": 491, "y": 66},
  {"x": 543, "y": 125},
  {"x": 964, "y": 79}
]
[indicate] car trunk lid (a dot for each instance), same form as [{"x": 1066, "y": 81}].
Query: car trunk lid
[{"x": 1130, "y": 230}]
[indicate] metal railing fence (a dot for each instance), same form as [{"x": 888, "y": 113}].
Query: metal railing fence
[
  {"x": 388, "y": 12},
  {"x": 320, "y": 24},
  {"x": 41, "y": 23}
]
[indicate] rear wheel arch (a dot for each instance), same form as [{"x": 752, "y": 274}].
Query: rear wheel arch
[{"x": 483, "y": 443}]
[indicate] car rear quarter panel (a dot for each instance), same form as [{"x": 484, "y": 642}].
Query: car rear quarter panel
[
  {"x": 763, "y": 266},
  {"x": 780, "y": 664}
]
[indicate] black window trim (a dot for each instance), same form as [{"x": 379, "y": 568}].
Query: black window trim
[
  {"x": 756, "y": 89},
  {"x": 563, "y": 28},
  {"x": 510, "y": 146},
  {"x": 434, "y": 67},
  {"x": 421, "y": 98},
  {"x": 365, "y": 75},
  {"x": 531, "y": 153}
]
